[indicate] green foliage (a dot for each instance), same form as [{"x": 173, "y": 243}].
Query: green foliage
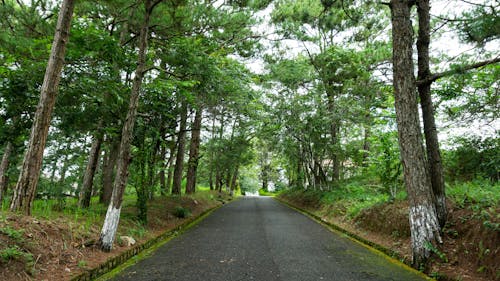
[
  {"x": 478, "y": 192},
  {"x": 348, "y": 199},
  {"x": 11, "y": 253},
  {"x": 82, "y": 264},
  {"x": 137, "y": 230},
  {"x": 479, "y": 25},
  {"x": 263, "y": 192},
  {"x": 436, "y": 251},
  {"x": 181, "y": 212},
  {"x": 473, "y": 158},
  {"x": 17, "y": 235},
  {"x": 15, "y": 253}
]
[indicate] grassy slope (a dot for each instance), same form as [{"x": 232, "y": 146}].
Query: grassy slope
[
  {"x": 57, "y": 242},
  {"x": 471, "y": 238}
]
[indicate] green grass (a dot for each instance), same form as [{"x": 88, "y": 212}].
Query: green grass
[
  {"x": 263, "y": 192},
  {"x": 481, "y": 193},
  {"x": 347, "y": 199}
]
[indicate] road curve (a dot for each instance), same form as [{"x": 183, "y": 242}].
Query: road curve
[{"x": 260, "y": 239}]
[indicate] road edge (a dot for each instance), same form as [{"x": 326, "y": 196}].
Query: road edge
[
  {"x": 116, "y": 264},
  {"x": 388, "y": 254}
]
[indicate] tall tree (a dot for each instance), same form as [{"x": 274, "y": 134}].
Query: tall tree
[
  {"x": 88, "y": 177},
  {"x": 25, "y": 189},
  {"x": 194, "y": 151},
  {"x": 4, "y": 166},
  {"x": 423, "y": 219},
  {"x": 181, "y": 144},
  {"x": 430, "y": 130},
  {"x": 110, "y": 225}
]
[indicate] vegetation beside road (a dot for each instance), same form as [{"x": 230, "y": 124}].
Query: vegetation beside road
[
  {"x": 470, "y": 238},
  {"x": 59, "y": 243}
]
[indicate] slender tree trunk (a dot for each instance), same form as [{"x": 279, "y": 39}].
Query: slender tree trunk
[
  {"x": 334, "y": 132},
  {"x": 181, "y": 143},
  {"x": 161, "y": 174},
  {"x": 65, "y": 163},
  {"x": 113, "y": 213},
  {"x": 88, "y": 178},
  {"x": 430, "y": 131},
  {"x": 109, "y": 170},
  {"x": 152, "y": 168},
  {"x": 170, "y": 166},
  {"x": 423, "y": 219},
  {"x": 25, "y": 190},
  {"x": 366, "y": 144},
  {"x": 234, "y": 179},
  {"x": 4, "y": 167},
  {"x": 194, "y": 151},
  {"x": 212, "y": 158}
]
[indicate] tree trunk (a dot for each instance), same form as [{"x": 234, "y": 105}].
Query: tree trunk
[
  {"x": 65, "y": 163},
  {"x": 366, "y": 144},
  {"x": 423, "y": 220},
  {"x": 212, "y": 157},
  {"x": 161, "y": 174},
  {"x": 88, "y": 178},
  {"x": 113, "y": 213},
  {"x": 181, "y": 143},
  {"x": 4, "y": 167},
  {"x": 334, "y": 132},
  {"x": 430, "y": 131},
  {"x": 234, "y": 179},
  {"x": 108, "y": 171},
  {"x": 25, "y": 190},
  {"x": 170, "y": 168},
  {"x": 194, "y": 152}
]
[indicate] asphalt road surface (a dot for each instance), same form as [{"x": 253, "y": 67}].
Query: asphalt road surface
[{"x": 260, "y": 239}]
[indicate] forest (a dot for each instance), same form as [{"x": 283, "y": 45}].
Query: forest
[{"x": 352, "y": 109}]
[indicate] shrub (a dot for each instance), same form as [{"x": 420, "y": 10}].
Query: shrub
[{"x": 181, "y": 212}]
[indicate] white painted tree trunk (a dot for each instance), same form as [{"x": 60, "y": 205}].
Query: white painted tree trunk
[
  {"x": 110, "y": 225},
  {"x": 109, "y": 228}
]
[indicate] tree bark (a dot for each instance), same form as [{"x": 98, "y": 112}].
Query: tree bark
[
  {"x": 334, "y": 132},
  {"x": 25, "y": 190},
  {"x": 194, "y": 151},
  {"x": 163, "y": 166},
  {"x": 4, "y": 167},
  {"x": 430, "y": 131},
  {"x": 423, "y": 219},
  {"x": 88, "y": 178},
  {"x": 234, "y": 179},
  {"x": 109, "y": 170},
  {"x": 170, "y": 168},
  {"x": 181, "y": 143},
  {"x": 113, "y": 213},
  {"x": 212, "y": 157}
]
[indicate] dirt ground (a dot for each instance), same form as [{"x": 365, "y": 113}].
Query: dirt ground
[
  {"x": 61, "y": 249},
  {"x": 470, "y": 249}
]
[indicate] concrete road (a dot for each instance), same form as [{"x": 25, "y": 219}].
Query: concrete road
[{"x": 260, "y": 239}]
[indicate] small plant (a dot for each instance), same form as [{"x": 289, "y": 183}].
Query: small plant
[
  {"x": 437, "y": 275},
  {"x": 137, "y": 231},
  {"x": 15, "y": 253},
  {"x": 12, "y": 233},
  {"x": 11, "y": 253},
  {"x": 452, "y": 233},
  {"x": 182, "y": 212},
  {"x": 492, "y": 225},
  {"x": 436, "y": 251},
  {"x": 82, "y": 264}
]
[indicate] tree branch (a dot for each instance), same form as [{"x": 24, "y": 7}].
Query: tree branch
[{"x": 433, "y": 77}]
